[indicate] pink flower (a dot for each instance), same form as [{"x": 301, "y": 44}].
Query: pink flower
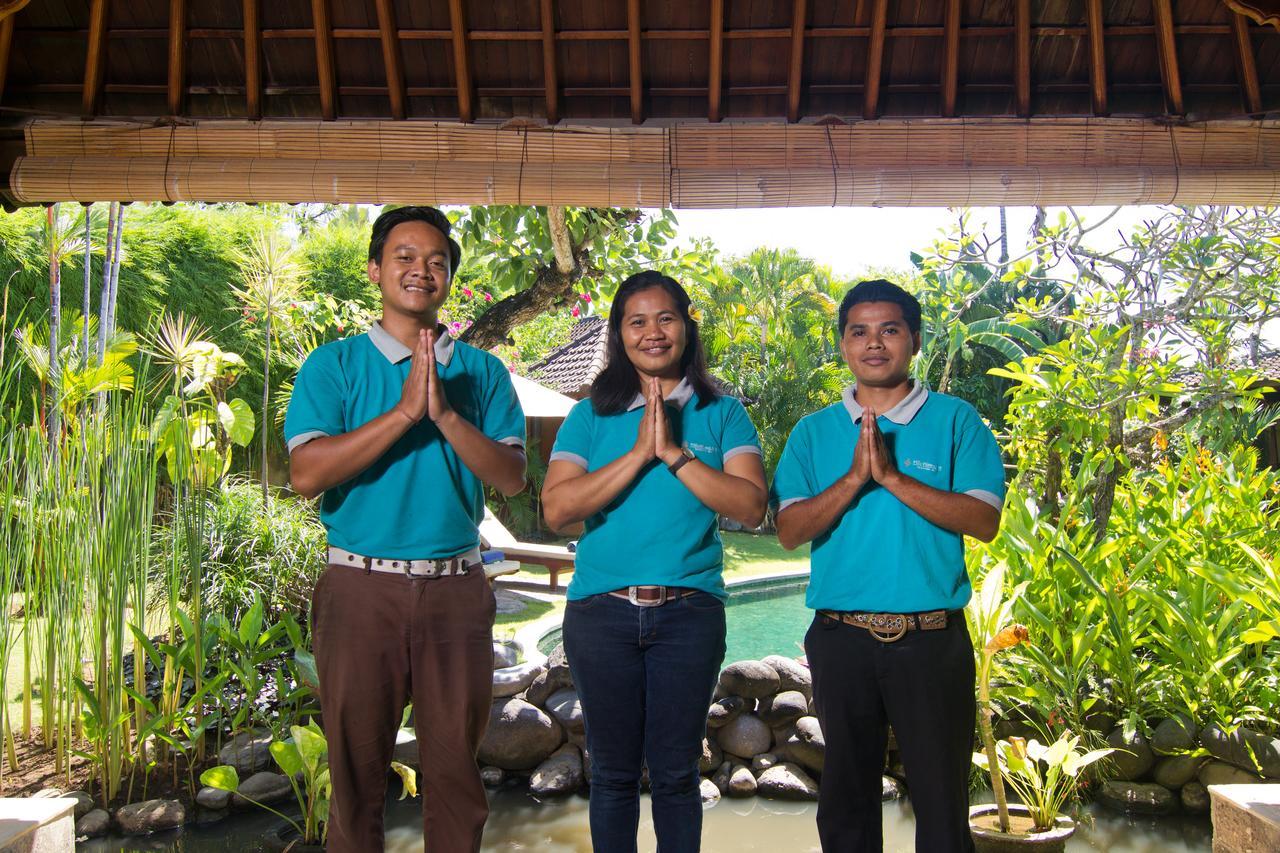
[
  {"x": 586, "y": 297},
  {"x": 488, "y": 297},
  {"x": 466, "y": 291},
  {"x": 575, "y": 312},
  {"x": 455, "y": 325}
]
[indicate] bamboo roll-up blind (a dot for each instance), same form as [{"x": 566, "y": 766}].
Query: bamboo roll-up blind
[{"x": 887, "y": 162}]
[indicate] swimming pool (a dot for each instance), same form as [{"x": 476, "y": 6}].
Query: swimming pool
[{"x": 763, "y": 617}]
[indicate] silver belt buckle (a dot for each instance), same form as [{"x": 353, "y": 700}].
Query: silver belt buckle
[{"x": 631, "y": 596}]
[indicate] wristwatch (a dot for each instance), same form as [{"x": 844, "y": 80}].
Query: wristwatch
[{"x": 685, "y": 455}]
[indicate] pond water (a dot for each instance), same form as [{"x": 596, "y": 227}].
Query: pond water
[
  {"x": 519, "y": 822},
  {"x": 761, "y": 619}
]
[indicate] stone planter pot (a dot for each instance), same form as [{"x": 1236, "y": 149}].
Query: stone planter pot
[
  {"x": 987, "y": 837},
  {"x": 283, "y": 837}
]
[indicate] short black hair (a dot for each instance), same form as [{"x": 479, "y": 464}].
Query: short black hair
[
  {"x": 879, "y": 290},
  {"x": 420, "y": 213},
  {"x": 617, "y": 384}
]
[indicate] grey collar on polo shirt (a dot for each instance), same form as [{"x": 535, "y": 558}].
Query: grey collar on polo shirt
[
  {"x": 396, "y": 352},
  {"x": 679, "y": 395},
  {"x": 901, "y": 414}
]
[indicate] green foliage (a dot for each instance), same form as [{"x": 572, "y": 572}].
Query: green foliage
[{"x": 1044, "y": 777}]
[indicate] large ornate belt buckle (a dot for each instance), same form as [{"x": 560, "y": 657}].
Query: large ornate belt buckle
[
  {"x": 633, "y": 596},
  {"x": 888, "y": 627}
]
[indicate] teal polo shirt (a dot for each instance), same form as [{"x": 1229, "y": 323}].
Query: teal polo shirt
[
  {"x": 655, "y": 531},
  {"x": 417, "y": 501},
  {"x": 881, "y": 556}
]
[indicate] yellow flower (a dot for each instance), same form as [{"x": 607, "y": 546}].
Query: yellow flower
[
  {"x": 695, "y": 314},
  {"x": 1008, "y": 637}
]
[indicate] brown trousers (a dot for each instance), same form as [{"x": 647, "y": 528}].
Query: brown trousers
[{"x": 381, "y": 639}]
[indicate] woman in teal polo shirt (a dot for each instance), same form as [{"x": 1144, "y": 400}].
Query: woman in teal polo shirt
[{"x": 649, "y": 463}]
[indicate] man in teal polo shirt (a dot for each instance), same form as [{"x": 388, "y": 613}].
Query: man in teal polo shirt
[
  {"x": 885, "y": 484},
  {"x": 397, "y": 429}
]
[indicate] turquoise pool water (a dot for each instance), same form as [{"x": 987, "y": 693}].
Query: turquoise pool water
[{"x": 762, "y": 618}]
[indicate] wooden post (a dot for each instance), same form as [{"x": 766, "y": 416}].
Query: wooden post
[
  {"x": 1022, "y": 56},
  {"x": 633, "y": 54},
  {"x": 252, "y": 60},
  {"x": 550, "y": 78},
  {"x": 950, "y": 58},
  {"x": 1097, "y": 56},
  {"x": 716, "y": 61},
  {"x": 1245, "y": 64},
  {"x": 875, "y": 60},
  {"x": 1168, "y": 52},
  {"x": 796, "y": 72},
  {"x": 391, "y": 57},
  {"x": 461, "y": 62},
  {"x": 177, "y": 55},
  {"x": 95, "y": 58},
  {"x": 324, "y": 59}
]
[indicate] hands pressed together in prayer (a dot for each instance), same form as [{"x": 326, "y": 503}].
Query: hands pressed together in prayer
[
  {"x": 871, "y": 459},
  {"x": 653, "y": 439},
  {"x": 423, "y": 394}
]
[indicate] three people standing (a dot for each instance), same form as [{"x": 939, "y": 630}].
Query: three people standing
[{"x": 399, "y": 427}]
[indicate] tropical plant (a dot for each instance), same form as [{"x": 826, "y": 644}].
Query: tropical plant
[{"x": 1044, "y": 777}]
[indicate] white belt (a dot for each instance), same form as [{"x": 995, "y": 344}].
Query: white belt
[{"x": 445, "y": 567}]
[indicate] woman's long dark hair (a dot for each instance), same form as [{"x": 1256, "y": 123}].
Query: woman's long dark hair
[{"x": 618, "y": 384}]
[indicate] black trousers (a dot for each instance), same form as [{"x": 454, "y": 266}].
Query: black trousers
[{"x": 923, "y": 686}]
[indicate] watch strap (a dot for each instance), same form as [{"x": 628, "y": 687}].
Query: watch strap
[{"x": 685, "y": 458}]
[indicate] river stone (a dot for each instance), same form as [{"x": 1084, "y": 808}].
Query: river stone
[
  {"x": 750, "y": 678},
  {"x": 1138, "y": 797},
  {"x": 491, "y": 776},
  {"x": 1245, "y": 748},
  {"x": 511, "y": 680},
  {"x": 1195, "y": 798},
  {"x": 205, "y": 816},
  {"x": 265, "y": 787},
  {"x": 504, "y": 655},
  {"x": 520, "y": 736},
  {"x": 712, "y": 756},
  {"x": 559, "y": 774},
  {"x": 709, "y": 792},
  {"x": 84, "y": 802},
  {"x": 741, "y": 782},
  {"x": 247, "y": 752},
  {"x": 783, "y": 709},
  {"x": 744, "y": 737},
  {"x": 722, "y": 775},
  {"x": 555, "y": 676},
  {"x": 213, "y": 798},
  {"x": 725, "y": 711},
  {"x": 805, "y": 745},
  {"x": 567, "y": 710},
  {"x": 1174, "y": 771},
  {"x": 762, "y": 762},
  {"x": 150, "y": 816},
  {"x": 786, "y": 781},
  {"x": 1221, "y": 773},
  {"x": 1132, "y": 759},
  {"x": 1174, "y": 735},
  {"x": 792, "y": 675},
  {"x": 890, "y": 789},
  {"x": 93, "y": 823}
]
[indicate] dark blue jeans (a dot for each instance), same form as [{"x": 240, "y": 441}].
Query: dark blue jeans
[{"x": 645, "y": 676}]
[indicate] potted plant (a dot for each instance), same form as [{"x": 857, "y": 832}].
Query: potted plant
[
  {"x": 1045, "y": 778},
  {"x": 305, "y": 756}
]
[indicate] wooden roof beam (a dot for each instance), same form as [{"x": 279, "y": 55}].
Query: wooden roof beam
[
  {"x": 391, "y": 57},
  {"x": 324, "y": 60},
  {"x": 177, "y": 55},
  {"x": 950, "y": 58},
  {"x": 796, "y": 71},
  {"x": 633, "y": 56},
  {"x": 1022, "y": 56},
  {"x": 715, "y": 72},
  {"x": 875, "y": 60},
  {"x": 1245, "y": 64},
  {"x": 6, "y": 41},
  {"x": 461, "y": 62},
  {"x": 1168, "y": 53},
  {"x": 95, "y": 58},
  {"x": 252, "y": 60},
  {"x": 1097, "y": 56},
  {"x": 550, "y": 78}
]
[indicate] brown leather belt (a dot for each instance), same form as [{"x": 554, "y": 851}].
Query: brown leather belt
[
  {"x": 651, "y": 596},
  {"x": 891, "y": 627}
]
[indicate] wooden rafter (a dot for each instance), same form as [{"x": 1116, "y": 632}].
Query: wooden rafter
[
  {"x": 715, "y": 69},
  {"x": 461, "y": 61},
  {"x": 324, "y": 60},
  {"x": 633, "y": 56},
  {"x": 950, "y": 58},
  {"x": 391, "y": 57},
  {"x": 1097, "y": 56},
  {"x": 252, "y": 60},
  {"x": 1168, "y": 52},
  {"x": 95, "y": 57},
  {"x": 177, "y": 55},
  {"x": 6, "y": 40},
  {"x": 796, "y": 71},
  {"x": 550, "y": 78},
  {"x": 1022, "y": 56},
  {"x": 1245, "y": 64},
  {"x": 875, "y": 60}
]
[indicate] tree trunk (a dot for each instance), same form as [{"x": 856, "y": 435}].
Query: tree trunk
[
  {"x": 113, "y": 212},
  {"x": 554, "y": 283},
  {"x": 1050, "y": 501},
  {"x": 84, "y": 302},
  {"x": 115, "y": 274},
  {"x": 1104, "y": 494},
  {"x": 55, "y": 324},
  {"x": 266, "y": 399}
]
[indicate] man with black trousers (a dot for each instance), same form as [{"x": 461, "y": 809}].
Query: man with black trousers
[{"x": 886, "y": 483}]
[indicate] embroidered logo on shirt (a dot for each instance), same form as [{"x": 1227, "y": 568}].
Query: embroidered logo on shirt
[
  {"x": 921, "y": 465},
  {"x": 700, "y": 448}
]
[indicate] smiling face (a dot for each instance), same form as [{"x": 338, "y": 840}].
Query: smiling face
[
  {"x": 878, "y": 345},
  {"x": 414, "y": 272},
  {"x": 653, "y": 333}
]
